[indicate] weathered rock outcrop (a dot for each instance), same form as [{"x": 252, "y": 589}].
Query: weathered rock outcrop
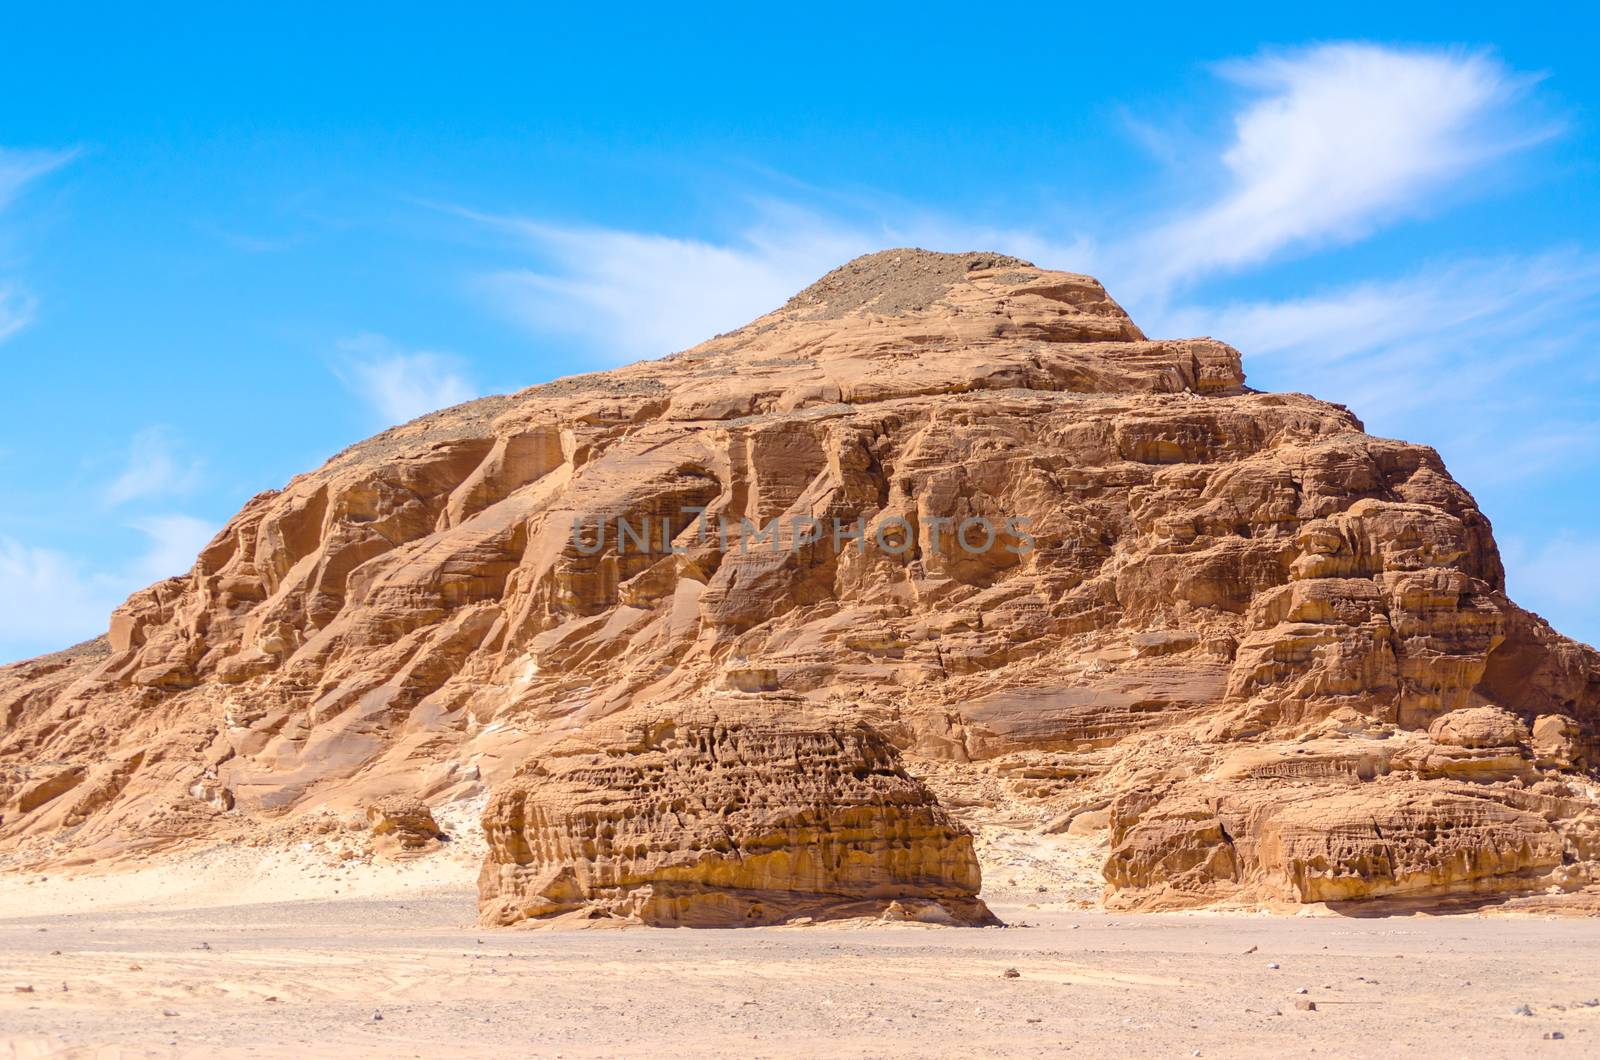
[
  {"x": 694, "y": 819},
  {"x": 947, "y": 508},
  {"x": 1349, "y": 817},
  {"x": 403, "y": 825}
]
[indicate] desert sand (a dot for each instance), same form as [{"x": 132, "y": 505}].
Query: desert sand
[{"x": 241, "y": 952}]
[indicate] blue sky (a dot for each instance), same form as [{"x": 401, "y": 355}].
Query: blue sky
[{"x": 231, "y": 244}]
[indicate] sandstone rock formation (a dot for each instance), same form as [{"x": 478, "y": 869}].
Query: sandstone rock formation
[
  {"x": 937, "y": 509},
  {"x": 698, "y": 819},
  {"x": 403, "y": 825}
]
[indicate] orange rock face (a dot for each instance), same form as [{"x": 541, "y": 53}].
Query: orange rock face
[{"x": 938, "y": 508}]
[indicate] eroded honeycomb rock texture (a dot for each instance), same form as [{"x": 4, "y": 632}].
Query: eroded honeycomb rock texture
[
  {"x": 1270, "y": 653},
  {"x": 706, "y": 821}
]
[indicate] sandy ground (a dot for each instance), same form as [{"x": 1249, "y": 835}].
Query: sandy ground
[{"x": 239, "y": 952}]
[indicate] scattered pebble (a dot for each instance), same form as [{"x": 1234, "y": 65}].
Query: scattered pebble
[
  {"x": 1251, "y": 950},
  {"x": 1553, "y": 1036},
  {"x": 1302, "y": 990},
  {"x": 25, "y": 989},
  {"x": 1306, "y": 1005},
  {"x": 376, "y": 1016},
  {"x": 1011, "y": 973},
  {"x": 1522, "y": 1010},
  {"x": 1272, "y": 965},
  {"x": 169, "y": 1012}
]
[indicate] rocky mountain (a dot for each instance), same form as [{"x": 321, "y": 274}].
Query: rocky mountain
[{"x": 750, "y": 633}]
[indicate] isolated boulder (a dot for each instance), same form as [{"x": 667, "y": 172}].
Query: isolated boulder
[
  {"x": 402, "y": 824},
  {"x": 701, "y": 820}
]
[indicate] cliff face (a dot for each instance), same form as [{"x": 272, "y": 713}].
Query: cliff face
[{"x": 937, "y": 508}]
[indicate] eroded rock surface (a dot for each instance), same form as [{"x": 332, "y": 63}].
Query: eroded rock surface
[
  {"x": 403, "y": 825},
  {"x": 694, "y": 819},
  {"x": 1269, "y": 654}
]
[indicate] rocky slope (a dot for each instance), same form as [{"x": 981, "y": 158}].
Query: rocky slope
[{"x": 946, "y": 514}]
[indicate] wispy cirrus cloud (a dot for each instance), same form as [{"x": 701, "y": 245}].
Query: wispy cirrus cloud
[
  {"x": 642, "y": 294},
  {"x": 400, "y": 384},
  {"x": 1338, "y": 140},
  {"x": 1485, "y": 360},
  {"x": 155, "y": 467},
  {"x": 1446, "y": 333},
  {"x": 17, "y": 308},
  {"x": 50, "y": 599},
  {"x": 1332, "y": 143},
  {"x": 18, "y": 169},
  {"x": 172, "y": 543}
]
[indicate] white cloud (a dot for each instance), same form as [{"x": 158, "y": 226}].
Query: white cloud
[
  {"x": 18, "y": 169},
  {"x": 50, "y": 600},
  {"x": 16, "y": 309},
  {"x": 400, "y": 384},
  {"x": 1443, "y": 336},
  {"x": 1335, "y": 141},
  {"x": 639, "y": 294},
  {"x": 154, "y": 468},
  {"x": 173, "y": 543},
  {"x": 1340, "y": 139}
]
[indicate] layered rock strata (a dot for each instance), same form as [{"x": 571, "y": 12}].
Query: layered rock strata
[
  {"x": 957, "y": 507},
  {"x": 701, "y": 820}
]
